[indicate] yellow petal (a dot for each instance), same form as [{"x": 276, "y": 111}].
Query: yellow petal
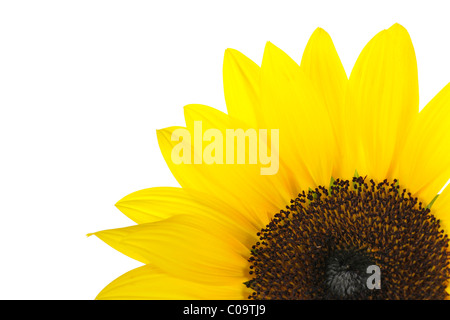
[
  {"x": 212, "y": 180},
  {"x": 154, "y": 204},
  {"x": 424, "y": 164},
  {"x": 188, "y": 247},
  {"x": 211, "y": 118},
  {"x": 441, "y": 209},
  {"x": 149, "y": 283},
  {"x": 241, "y": 185},
  {"x": 241, "y": 84},
  {"x": 383, "y": 95},
  {"x": 322, "y": 65},
  {"x": 291, "y": 104}
]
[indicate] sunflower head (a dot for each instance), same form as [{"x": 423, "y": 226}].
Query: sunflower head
[
  {"x": 328, "y": 242},
  {"x": 312, "y": 228}
]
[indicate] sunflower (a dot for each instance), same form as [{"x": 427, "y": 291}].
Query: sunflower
[{"x": 360, "y": 169}]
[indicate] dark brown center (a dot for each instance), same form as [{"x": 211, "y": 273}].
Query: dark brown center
[{"x": 356, "y": 240}]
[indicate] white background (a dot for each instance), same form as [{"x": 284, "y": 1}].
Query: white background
[{"x": 85, "y": 84}]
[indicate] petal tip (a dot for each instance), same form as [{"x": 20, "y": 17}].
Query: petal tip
[
  {"x": 319, "y": 39},
  {"x": 231, "y": 52},
  {"x": 397, "y": 28},
  {"x": 319, "y": 32},
  {"x": 271, "y": 47}
]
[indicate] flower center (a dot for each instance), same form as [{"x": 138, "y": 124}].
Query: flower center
[
  {"x": 356, "y": 240},
  {"x": 346, "y": 274}
]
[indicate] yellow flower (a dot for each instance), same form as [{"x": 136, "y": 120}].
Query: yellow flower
[{"x": 231, "y": 232}]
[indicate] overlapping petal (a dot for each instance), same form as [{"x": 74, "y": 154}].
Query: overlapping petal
[
  {"x": 290, "y": 103},
  {"x": 242, "y": 87},
  {"x": 240, "y": 185},
  {"x": 155, "y": 204},
  {"x": 322, "y": 65},
  {"x": 149, "y": 283},
  {"x": 382, "y": 102},
  {"x": 424, "y": 164},
  {"x": 189, "y": 247},
  {"x": 441, "y": 209}
]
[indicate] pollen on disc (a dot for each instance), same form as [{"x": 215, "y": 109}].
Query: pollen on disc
[{"x": 324, "y": 243}]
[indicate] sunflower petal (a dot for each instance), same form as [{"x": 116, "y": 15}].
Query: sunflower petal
[
  {"x": 202, "y": 177},
  {"x": 322, "y": 65},
  {"x": 149, "y": 283},
  {"x": 441, "y": 209},
  {"x": 264, "y": 194},
  {"x": 155, "y": 204},
  {"x": 424, "y": 164},
  {"x": 241, "y": 83},
  {"x": 291, "y": 104},
  {"x": 384, "y": 96},
  {"x": 188, "y": 247}
]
